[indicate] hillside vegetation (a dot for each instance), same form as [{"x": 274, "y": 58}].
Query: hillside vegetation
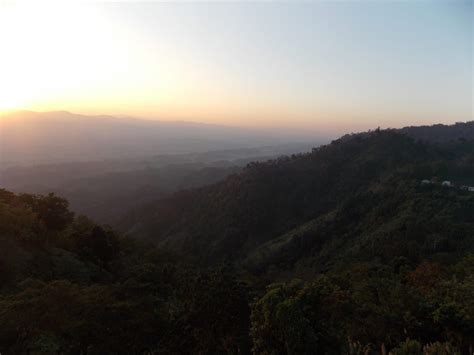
[
  {"x": 342, "y": 250},
  {"x": 364, "y": 188}
]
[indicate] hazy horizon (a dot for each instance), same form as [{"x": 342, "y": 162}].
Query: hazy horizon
[
  {"x": 290, "y": 131},
  {"x": 328, "y": 67}
]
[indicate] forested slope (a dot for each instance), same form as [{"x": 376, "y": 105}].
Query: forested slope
[
  {"x": 350, "y": 180},
  {"x": 70, "y": 286},
  {"x": 339, "y": 251}
]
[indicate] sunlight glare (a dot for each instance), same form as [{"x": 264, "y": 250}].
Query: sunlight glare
[{"x": 53, "y": 50}]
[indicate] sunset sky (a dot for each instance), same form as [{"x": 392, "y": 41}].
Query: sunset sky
[{"x": 312, "y": 65}]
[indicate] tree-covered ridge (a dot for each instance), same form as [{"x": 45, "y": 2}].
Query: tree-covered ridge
[
  {"x": 441, "y": 133},
  {"x": 396, "y": 220},
  {"x": 438, "y": 133},
  {"x": 267, "y": 200}
]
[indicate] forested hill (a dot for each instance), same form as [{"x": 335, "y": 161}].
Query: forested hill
[
  {"x": 437, "y": 133},
  {"x": 325, "y": 203},
  {"x": 440, "y": 133}
]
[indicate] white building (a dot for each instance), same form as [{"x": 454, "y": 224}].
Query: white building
[{"x": 446, "y": 183}]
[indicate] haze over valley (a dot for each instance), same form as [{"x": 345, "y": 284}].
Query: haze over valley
[{"x": 59, "y": 137}]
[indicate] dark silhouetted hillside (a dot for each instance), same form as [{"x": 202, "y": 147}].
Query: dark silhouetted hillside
[{"x": 268, "y": 200}]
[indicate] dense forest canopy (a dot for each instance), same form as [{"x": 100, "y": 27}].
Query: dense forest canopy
[{"x": 343, "y": 250}]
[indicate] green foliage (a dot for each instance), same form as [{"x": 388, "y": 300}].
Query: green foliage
[
  {"x": 82, "y": 319},
  {"x": 367, "y": 304},
  {"x": 280, "y": 326},
  {"x": 408, "y": 347},
  {"x": 72, "y": 286},
  {"x": 438, "y": 348},
  {"x": 301, "y": 318},
  {"x": 213, "y": 315},
  {"x": 52, "y": 211}
]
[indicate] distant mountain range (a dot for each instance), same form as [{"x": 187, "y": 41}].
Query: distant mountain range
[{"x": 51, "y": 137}]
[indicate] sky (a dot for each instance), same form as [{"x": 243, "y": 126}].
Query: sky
[{"x": 313, "y": 65}]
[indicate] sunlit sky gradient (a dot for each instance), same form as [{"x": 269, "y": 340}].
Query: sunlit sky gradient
[{"x": 342, "y": 65}]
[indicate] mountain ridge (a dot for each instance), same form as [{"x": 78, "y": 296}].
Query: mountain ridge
[
  {"x": 38, "y": 138},
  {"x": 203, "y": 222}
]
